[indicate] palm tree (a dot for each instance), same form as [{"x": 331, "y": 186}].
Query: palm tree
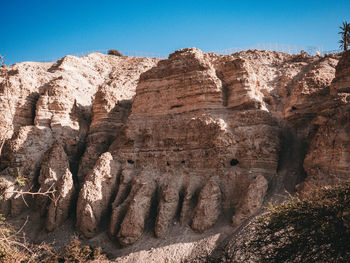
[{"x": 345, "y": 35}]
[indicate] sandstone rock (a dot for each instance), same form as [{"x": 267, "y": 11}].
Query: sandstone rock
[
  {"x": 252, "y": 201},
  {"x": 341, "y": 81},
  {"x": 121, "y": 201},
  {"x": 55, "y": 176},
  {"x": 19, "y": 93},
  {"x": 46, "y": 102},
  {"x": 327, "y": 160},
  {"x": 111, "y": 108},
  {"x": 208, "y": 208},
  {"x": 22, "y": 157},
  {"x": 167, "y": 207},
  {"x": 133, "y": 223},
  {"x": 181, "y": 130},
  {"x": 95, "y": 196},
  {"x": 7, "y": 186},
  {"x": 60, "y": 207},
  {"x": 188, "y": 138},
  {"x": 54, "y": 165}
]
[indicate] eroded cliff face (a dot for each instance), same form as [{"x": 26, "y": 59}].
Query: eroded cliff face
[
  {"x": 327, "y": 160},
  {"x": 187, "y": 149},
  {"x": 64, "y": 104},
  {"x": 136, "y": 142}
]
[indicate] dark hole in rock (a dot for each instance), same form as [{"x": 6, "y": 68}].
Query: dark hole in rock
[
  {"x": 130, "y": 161},
  {"x": 234, "y": 162},
  {"x": 294, "y": 108},
  {"x": 183, "y": 161},
  {"x": 176, "y": 106},
  {"x": 167, "y": 163}
]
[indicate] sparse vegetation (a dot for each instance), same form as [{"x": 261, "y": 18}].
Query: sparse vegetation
[
  {"x": 15, "y": 248},
  {"x": 114, "y": 52},
  {"x": 75, "y": 252},
  {"x": 345, "y": 36},
  {"x": 315, "y": 228}
]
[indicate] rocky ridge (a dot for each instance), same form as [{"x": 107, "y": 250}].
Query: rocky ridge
[{"x": 198, "y": 138}]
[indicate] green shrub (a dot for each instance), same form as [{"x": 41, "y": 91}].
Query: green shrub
[
  {"x": 114, "y": 52},
  {"x": 315, "y": 228}
]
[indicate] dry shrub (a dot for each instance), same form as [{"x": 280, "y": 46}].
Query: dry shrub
[
  {"x": 15, "y": 248},
  {"x": 315, "y": 228},
  {"x": 75, "y": 252},
  {"x": 12, "y": 247},
  {"x": 114, "y": 52}
]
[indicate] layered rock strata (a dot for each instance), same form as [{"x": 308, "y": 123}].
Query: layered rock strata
[
  {"x": 194, "y": 138},
  {"x": 327, "y": 161}
]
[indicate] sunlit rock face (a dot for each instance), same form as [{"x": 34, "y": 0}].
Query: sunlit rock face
[
  {"x": 59, "y": 105},
  {"x": 197, "y": 138},
  {"x": 327, "y": 161},
  {"x": 188, "y": 149}
]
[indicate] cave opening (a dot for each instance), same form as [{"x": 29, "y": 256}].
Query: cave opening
[
  {"x": 130, "y": 161},
  {"x": 234, "y": 162}
]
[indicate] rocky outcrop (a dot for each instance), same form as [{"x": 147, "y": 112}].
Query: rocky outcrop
[
  {"x": 21, "y": 160},
  {"x": 197, "y": 138},
  {"x": 252, "y": 201},
  {"x": 181, "y": 133},
  {"x": 95, "y": 196},
  {"x": 55, "y": 177},
  {"x": 133, "y": 223},
  {"x": 328, "y": 157},
  {"x": 111, "y": 108},
  {"x": 44, "y": 103},
  {"x": 208, "y": 208}
]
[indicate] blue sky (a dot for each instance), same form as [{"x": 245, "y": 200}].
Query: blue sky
[{"x": 37, "y": 30}]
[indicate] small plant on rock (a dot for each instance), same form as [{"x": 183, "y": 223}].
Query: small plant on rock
[{"x": 114, "y": 52}]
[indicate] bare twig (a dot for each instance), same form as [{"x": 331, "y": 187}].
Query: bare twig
[
  {"x": 47, "y": 193},
  {"x": 31, "y": 193}
]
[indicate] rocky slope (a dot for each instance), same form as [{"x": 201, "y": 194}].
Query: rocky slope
[{"x": 131, "y": 146}]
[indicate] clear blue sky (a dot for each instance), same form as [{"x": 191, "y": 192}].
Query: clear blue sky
[{"x": 36, "y": 30}]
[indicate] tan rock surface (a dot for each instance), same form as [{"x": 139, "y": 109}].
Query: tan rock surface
[
  {"x": 181, "y": 133},
  {"x": 95, "y": 196},
  {"x": 21, "y": 159},
  {"x": 46, "y": 102},
  {"x": 200, "y": 139},
  {"x": 111, "y": 108},
  {"x": 252, "y": 201},
  {"x": 55, "y": 176},
  {"x": 208, "y": 207},
  {"x": 327, "y": 161}
]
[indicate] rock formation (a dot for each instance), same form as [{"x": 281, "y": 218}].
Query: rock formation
[
  {"x": 327, "y": 161},
  {"x": 55, "y": 105},
  {"x": 95, "y": 196},
  {"x": 142, "y": 143}
]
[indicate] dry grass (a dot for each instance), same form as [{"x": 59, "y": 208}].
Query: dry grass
[{"x": 15, "y": 248}]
